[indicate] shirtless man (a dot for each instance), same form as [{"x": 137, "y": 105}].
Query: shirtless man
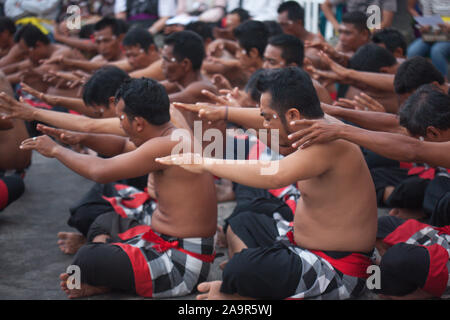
[
  {"x": 12, "y": 132},
  {"x": 38, "y": 48},
  {"x": 336, "y": 212},
  {"x": 239, "y": 59},
  {"x": 179, "y": 239},
  {"x": 291, "y": 17}
]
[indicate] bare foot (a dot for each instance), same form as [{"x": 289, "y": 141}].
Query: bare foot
[
  {"x": 70, "y": 242},
  {"x": 221, "y": 238},
  {"x": 212, "y": 292},
  {"x": 406, "y": 214},
  {"x": 84, "y": 291},
  {"x": 224, "y": 192}
]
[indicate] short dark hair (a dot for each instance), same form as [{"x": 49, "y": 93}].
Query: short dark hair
[
  {"x": 102, "y": 85},
  {"x": 242, "y": 13},
  {"x": 426, "y": 107},
  {"x": 118, "y": 26},
  {"x": 201, "y": 28},
  {"x": 252, "y": 34},
  {"x": 371, "y": 58},
  {"x": 7, "y": 24},
  {"x": 145, "y": 98},
  {"x": 356, "y": 18},
  {"x": 31, "y": 35},
  {"x": 273, "y": 27},
  {"x": 187, "y": 44},
  {"x": 138, "y": 36},
  {"x": 290, "y": 88},
  {"x": 252, "y": 82},
  {"x": 415, "y": 72},
  {"x": 294, "y": 9},
  {"x": 391, "y": 38},
  {"x": 292, "y": 48},
  {"x": 86, "y": 31}
]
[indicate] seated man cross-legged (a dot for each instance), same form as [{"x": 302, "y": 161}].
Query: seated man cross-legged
[{"x": 325, "y": 255}]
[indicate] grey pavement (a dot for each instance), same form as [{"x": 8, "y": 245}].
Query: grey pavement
[{"x": 30, "y": 260}]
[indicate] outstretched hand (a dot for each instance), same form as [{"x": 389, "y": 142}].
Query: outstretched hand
[
  {"x": 316, "y": 131},
  {"x": 188, "y": 161},
  {"x": 42, "y": 144},
  {"x": 65, "y": 136},
  {"x": 15, "y": 109},
  {"x": 205, "y": 111}
]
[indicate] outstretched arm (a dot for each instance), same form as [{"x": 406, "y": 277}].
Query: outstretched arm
[
  {"x": 19, "y": 110},
  {"x": 393, "y": 146},
  {"x": 269, "y": 175},
  {"x": 101, "y": 170}
]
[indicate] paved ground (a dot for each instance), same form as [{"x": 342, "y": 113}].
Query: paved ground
[{"x": 30, "y": 260}]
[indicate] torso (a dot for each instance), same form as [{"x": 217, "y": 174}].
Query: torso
[{"x": 337, "y": 210}]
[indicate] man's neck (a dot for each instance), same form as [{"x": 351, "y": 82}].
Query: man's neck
[{"x": 189, "y": 78}]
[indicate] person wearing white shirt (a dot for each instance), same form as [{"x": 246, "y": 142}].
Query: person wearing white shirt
[{"x": 261, "y": 10}]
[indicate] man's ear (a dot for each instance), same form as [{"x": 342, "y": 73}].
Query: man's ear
[
  {"x": 254, "y": 53},
  {"x": 111, "y": 102},
  {"x": 398, "y": 53},
  {"x": 139, "y": 124},
  {"x": 292, "y": 115},
  {"x": 187, "y": 64},
  {"x": 433, "y": 134}
]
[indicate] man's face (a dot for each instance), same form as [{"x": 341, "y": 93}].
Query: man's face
[
  {"x": 246, "y": 59},
  {"x": 137, "y": 57},
  {"x": 232, "y": 21},
  {"x": 126, "y": 123},
  {"x": 272, "y": 58},
  {"x": 350, "y": 37},
  {"x": 272, "y": 120},
  {"x": 172, "y": 69},
  {"x": 107, "y": 43},
  {"x": 5, "y": 37},
  {"x": 288, "y": 26},
  {"x": 35, "y": 54}
]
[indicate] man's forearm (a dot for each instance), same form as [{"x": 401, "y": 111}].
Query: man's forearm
[
  {"x": 84, "y": 64},
  {"x": 371, "y": 120},
  {"x": 74, "y": 104},
  {"x": 104, "y": 144},
  {"x": 249, "y": 118},
  {"x": 381, "y": 81}
]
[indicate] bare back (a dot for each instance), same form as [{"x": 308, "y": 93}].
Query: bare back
[
  {"x": 337, "y": 210},
  {"x": 187, "y": 204}
]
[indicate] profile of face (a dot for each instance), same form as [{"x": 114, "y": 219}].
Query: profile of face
[
  {"x": 232, "y": 21},
  {"x": 137, "y": 57},
  {"x": 172, "y": 68},
  {"x": 36, "y": 53},
  {"x": 108, "y": 44},
  {"x": 288, "y": 26},
  {"x": 350, "y": 37},
  {"x": 128, "y": 125},
  {"x": 247, "y": 59},
  {"x": 273, "y": 58},
  {"x": 272, "y": 120}
]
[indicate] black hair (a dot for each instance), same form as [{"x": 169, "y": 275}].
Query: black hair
[
  {"x": 118, "y": 26},
  {"x": 7, "y": 24},
  {"x": 294, "y": 9},
  {"x": 415, "y": 72},
  {"x": 202, "y": 28},
  {"x": 291, "y": 87},
  {"x": 138, "y": 36},
  {"x": 273, "y": 28},
  {"x": 102, "y": 85},
  {"x": 145, "y": 98},
  {"x": 428, "y": 106},
  {"x": 356, "y": 18},
  {"x": 31, "y": 35},
  {"x": 242, "y": 13},
  {"x": 292, "y": 48},
  {"x": 189, "y": 45},
  {"x": 371, "y": 58},
  {"x": 391, "y": 38},
  {"x": 252, "y": 82},
  {"x": 252, "y": 34},
  {"x": 86, "y": 31}
]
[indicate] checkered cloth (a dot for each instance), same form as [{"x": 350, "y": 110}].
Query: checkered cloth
[
  {"x": 132, "y": 203},
  {"x": 167, "y": 266},
  {"x": 319, "y": 279},
  {"x": 416, "y": 233}
]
